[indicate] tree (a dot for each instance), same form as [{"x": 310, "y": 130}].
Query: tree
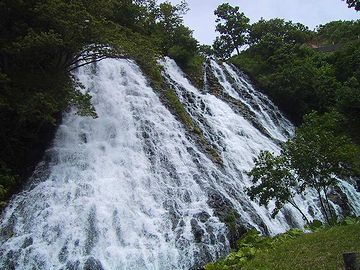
[
  {"x": 320, "y": 155},
  {"x": 232, "y": 26},
  {"x": 221, "y": 47},
  {"x": 273, "y": 179},
  {"x": 315, "y": 158},
  {"x": 278, "y": 31},
  {"x": 353, "y": 4},
  {"x": 338, "y": 32}
]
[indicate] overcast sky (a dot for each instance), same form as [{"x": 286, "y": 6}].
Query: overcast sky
[{"x": 312, "y": 13}]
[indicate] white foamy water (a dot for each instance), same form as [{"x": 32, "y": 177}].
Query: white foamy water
[
  {"x": 131, "y": 190},
  {"x": 239, "y": 142}
]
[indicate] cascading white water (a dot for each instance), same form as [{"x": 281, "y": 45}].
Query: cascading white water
[
  {"x": 269, "y": 116},
  {"x": 131, "y": 190},
  {"x": 239, "y": 142}
]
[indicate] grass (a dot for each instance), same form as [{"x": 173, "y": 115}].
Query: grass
[{"x": 315, "y": 251}]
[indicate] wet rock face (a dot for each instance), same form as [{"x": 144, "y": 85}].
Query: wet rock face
[
  {"x": 72, "y": 265},
  {"x": 357, "y": 181},
  {"x": 225, "y": 212},
  {"x": 338, "y": 197},
  {"x": 197, "y": 231},
  {"x": 92, "y": 264},
  {"x": 290, "y": 218}
]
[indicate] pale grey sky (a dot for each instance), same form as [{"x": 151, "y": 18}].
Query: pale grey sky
[{"x": 201, "y": 17}]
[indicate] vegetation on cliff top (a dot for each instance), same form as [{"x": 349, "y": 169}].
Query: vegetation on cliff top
[{"x": 301, "y": 70}]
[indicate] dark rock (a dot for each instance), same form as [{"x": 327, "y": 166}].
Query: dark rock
[
  {"x": 72, "y": 265},
  {"x": 92, "y": 264},
  {"x": 63, "y": 254},
  {"x": 83, "y": 138},
  {"x": 28, "y": 242},
  {"x": 197, "y": 231},
  {"x": 202, "y": 216},
  {"x": 10, "y": 260},
  {"x": 357, "y": 181},
  {"x": 290, "y": 218},
  {"x": 224, "y": 210},
  {"x": 338, "y": 197},
  {"x": 91, "y": 231}
]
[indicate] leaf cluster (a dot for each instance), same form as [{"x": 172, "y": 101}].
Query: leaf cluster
[{"x": 316, "y": 157}]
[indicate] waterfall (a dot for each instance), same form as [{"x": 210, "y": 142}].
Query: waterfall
[{"x": 132, "y": 190}]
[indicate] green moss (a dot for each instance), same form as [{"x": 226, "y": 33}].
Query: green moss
[
  {"x": 180, "y": 111},
  {"x": 174, "y": 103}
]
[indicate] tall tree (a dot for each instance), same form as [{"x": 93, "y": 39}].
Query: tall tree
[
  {"x": 232, "y": 25},
  {"x": 274, "y": 179},
  {"x": 315, "y": 158}
]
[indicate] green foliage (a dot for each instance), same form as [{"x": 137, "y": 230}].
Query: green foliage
[
  {"x": 175, "y": 103},
  {"x": 350, "y": 221},
  {"x": 195, "y": 70},
  {"x": 251, "y": 244},
  {"x": 338, "y": 32},
  {"x": 314, "y": 226},
  {"x": 183, "y": 47},
  {"x": 273, "y": 179},
  {"x": 300, "y": 79},
  {"x": 316, "y": 157},
  {"x": 232, "y": 26},
  {"x": 278, "y": 32},
  {"x": 7, "y": 180},
  {"x": 321, "y": 249},
  {"x": 221, "y": 47}
]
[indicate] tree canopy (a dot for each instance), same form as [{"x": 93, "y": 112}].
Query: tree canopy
[
  {"x": 232, "y": 26},
  {"x": 317, "y": 157}
]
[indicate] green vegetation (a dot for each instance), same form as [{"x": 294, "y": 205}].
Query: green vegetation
[
  {"x": 180, "y": 111},
  {"x": 318, "y": 250},
  {"x": 301, "y": 70},
  {"x": 232, "y": 26},
  {"x": 42, "y": 41},
  {"x": 316, "y": 157}
]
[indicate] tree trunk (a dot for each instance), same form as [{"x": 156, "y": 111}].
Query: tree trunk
[
  {"x": 301, "y": 212},
  {"x": 322, "y": 205},
  {"x": 332, "y": 215}
]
